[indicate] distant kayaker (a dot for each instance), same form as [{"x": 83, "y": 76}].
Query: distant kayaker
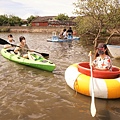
[
  {"x": 11, "y": 41},
  {"x": 23, "y": 49},
  {"x": 102, "y": 60},
  {"x": 69, "y": 32},
  {"x": 63, "y": 34}
]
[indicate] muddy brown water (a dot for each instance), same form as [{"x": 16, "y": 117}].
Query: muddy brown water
[{"x": 31, "y": 94}]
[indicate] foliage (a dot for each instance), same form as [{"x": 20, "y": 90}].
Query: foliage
[
  {"x": 29, "y": 19},
  {"x": 62, "y": 17},
  {"x": 10, "y": 20},
  {"x": 3, "y": 20},
  {"x": 14, "y": 20},
  {"x": 96, "y": 16}
]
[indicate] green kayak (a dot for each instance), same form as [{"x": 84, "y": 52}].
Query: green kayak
[{"x": 39, "y": 62}]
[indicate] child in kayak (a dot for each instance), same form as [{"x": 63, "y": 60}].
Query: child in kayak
[
  {"x": 102, "y": 60},
  {"x": 63, "y": 34},
  {"x": 11, "y": 41},
  {"x": 69, "y": 33},
  {"x": 22, "y": 49}
]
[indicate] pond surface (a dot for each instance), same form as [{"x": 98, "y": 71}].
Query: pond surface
[{"x": 31, "y": 94}]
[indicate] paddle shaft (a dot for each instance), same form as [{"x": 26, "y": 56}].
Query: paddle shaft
[
  {"x": 3, "y": 42},
  {"x": 93, "y": 108}
]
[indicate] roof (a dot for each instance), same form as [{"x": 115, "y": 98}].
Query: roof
[
  {"x": 48, "y": 18},
  {"x": 43, "y": 19}
]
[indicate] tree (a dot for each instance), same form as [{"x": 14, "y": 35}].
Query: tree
[
  {"x": 96, "y": 16},
  {"x": 3, "y": 20},
  {"x": 62, "y": 17},
  {"x": 14, "y": 20},
  {"x": 29, "y": 19},
  {"x": 10, "y": 20}
]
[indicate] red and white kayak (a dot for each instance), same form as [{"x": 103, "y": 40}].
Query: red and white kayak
[{"x": 106, "y": 83}]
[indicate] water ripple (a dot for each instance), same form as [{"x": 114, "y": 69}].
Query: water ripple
[{"x": 30, "y": 94}]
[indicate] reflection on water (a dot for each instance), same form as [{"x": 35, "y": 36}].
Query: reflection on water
[{"x": 30, "y": 94}]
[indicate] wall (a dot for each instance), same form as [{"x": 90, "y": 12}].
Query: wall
[{"x": 40, "y": 29}]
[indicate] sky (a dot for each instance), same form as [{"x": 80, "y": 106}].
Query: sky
[{"x": 26, "y": 8}]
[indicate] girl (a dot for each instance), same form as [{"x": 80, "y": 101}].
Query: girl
[{"x": 102, "y": 60}]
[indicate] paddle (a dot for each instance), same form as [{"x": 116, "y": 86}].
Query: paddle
[
  {"x": 3, "y": 42},
  {"x": 93, "y": 108}
]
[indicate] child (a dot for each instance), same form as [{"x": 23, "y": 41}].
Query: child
[
  {"x": 11, "y": 41},
  {"x": 63, "y": 34},
  {"x": 23, "y": 49},
  {"x": 102, "y": 60}
]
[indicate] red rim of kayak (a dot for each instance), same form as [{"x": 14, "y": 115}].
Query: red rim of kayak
[{"x": 84, "y": 68}]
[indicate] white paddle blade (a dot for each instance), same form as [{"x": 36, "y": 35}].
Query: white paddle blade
[{"x": 93, "y": 108}]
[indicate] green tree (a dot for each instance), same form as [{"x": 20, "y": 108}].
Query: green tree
[
  {"x": 10, "y": 20},
  {"x": 14, "y": 20},
  {"x": 62, "y": 17},
  {"x": 3, "y": 20},
  {"x": 96, "y": 16},
  {"x": 29, "y": 19}
]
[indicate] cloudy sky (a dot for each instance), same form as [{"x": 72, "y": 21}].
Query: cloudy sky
[{"x": 25, "y": 8}]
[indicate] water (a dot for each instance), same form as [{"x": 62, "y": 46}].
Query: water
[{"x": 30, "y": 94}]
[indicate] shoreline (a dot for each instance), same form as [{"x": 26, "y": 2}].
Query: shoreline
[
  {"x": 49, "y": 30},
  {"x": 30, "y": 29}
]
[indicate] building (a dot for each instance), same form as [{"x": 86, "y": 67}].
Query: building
[{"x": 50, "y": 21}]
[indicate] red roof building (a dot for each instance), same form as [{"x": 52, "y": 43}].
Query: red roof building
[{"x": 50, "y": 21}]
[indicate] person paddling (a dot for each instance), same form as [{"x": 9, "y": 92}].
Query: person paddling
[
  {"x": 22, "y": 49},
  {"x": 69, "y": 33},
  {"x": 102, "y": 60},
  {"x": 63, "y": 34}
]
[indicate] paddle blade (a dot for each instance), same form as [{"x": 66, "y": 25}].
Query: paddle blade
[
  {"x": 93, "y": 108},
  {"x": 3, "y": 42},
  {"x": 45, "y": 54}
]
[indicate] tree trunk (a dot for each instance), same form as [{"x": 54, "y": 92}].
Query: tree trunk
[
  {"x": 96, "y": 39},
  {"x": 109, "y": 37},
  {"x": 112, "y": 33}
]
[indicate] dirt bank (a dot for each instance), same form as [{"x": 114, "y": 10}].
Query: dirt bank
[{"x": 29, "y": 29}]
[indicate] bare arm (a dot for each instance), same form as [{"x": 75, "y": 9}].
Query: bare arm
[
  {"x": 16, "y": 50},
  {"x": 7, "y": 46}
]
